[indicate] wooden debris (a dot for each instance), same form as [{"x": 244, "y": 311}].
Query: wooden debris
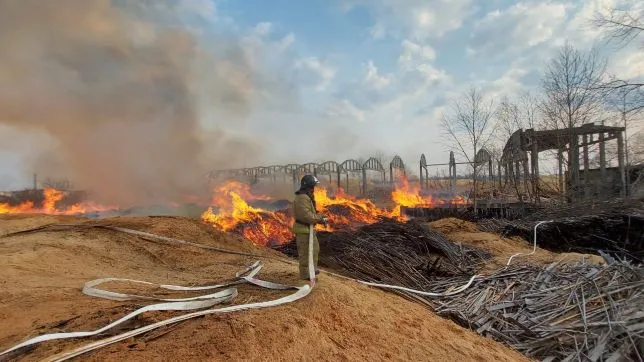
[
  {"x": 615, "y": 226},
  {"x": 583, "y": 311},
  {"x": 558, "y": 312}
]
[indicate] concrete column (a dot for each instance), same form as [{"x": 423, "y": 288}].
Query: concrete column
[
  {"x": 498, "y": 166},
  {"x": 526, "y": 173},
  {"x": 620, "y": 162},
  {"x": 586, "y": 167},
  {"x": 602, "y": 157},
  {"x": 573, "y": 172},
  {"x": 534, "y": 156},
  {"x": 561, "y": 175},
  {"x": 517, "y": 174}
]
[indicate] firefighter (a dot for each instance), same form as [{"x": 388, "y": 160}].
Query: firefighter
[{"x": 306, "y": 217}]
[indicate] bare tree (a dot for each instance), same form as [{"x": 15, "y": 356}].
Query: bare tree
[
  {"x": 620, "y": 25},
  {"x": 469, "y": 126},
  {"x": 572, "y": 97},
  {"x": 623, "y": 26},
  {"x": 570, "y": 84},
  {"x": 515, "y": 114},
  {"x": 508, "y": 119},
  {"x": 529, "y": 107}
]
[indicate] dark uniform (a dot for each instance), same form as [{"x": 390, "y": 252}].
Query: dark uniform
[{"x": 305, "y": 218}]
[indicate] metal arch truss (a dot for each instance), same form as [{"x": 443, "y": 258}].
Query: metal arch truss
[
  {"x": 331, "y": 168},
  {"x": 372, "y": 164},
  {"x": 397, "y": 164}
]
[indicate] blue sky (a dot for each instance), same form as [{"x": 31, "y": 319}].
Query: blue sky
[
  {"x": 383, "y": 70},
  {"x": 338, "y": 79}
]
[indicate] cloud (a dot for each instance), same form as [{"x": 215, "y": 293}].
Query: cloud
[
  {"x": 517, "y": 28},
  {"x": 344, "y": 109},
  {"x": 415, "y": 19},
  {"x": 315, "y": 72},
  {"x": 629, "y": 65},
  {"x": 374, "y": 80},
  {"x": 204, "y": 8},
  {"x": 414, "y": 54}
]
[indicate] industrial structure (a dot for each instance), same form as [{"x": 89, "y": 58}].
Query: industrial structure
[{"x": 517, "y": 168}]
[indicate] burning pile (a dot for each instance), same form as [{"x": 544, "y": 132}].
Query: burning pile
[
  {"x": 231, "y": 211},
  {"x": 51, "y": 203},
  {"x": 348, "y": 211}
]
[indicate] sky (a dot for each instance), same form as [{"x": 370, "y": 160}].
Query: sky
[{"x": 339, "y": 79}]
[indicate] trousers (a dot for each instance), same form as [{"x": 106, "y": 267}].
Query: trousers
[{"x": 302, "y": 241}]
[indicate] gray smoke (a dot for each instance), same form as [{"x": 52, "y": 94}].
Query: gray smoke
[{"x": 121, "y": 96}]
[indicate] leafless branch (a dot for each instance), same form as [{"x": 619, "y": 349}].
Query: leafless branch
[
  {"x": 620, "y": 25},
  {"x": 469, "y": 126}
]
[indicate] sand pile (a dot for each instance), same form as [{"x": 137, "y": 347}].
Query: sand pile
[{"x": 43, "y": 273}]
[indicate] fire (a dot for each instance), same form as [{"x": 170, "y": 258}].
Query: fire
[
  {"x": 240, "y": 189},
  {"x": 234, "y": 214},
  {"x": 50, "y": 206},
  {"x": 347, "y": 211},
  {"x": 231, "y": 212},
  {"x": 410, "y": 196}
]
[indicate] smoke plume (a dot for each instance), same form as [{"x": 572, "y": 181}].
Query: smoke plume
[{"x": 121, "y": 93}]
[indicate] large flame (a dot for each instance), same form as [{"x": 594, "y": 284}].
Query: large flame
[
  {"x": 348, "y": 211},
  {"x": 230, "y": 212},
  {"x": 50, "y": 205}
]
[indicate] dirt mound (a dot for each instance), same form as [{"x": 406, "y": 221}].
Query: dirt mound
[
  {"x": 467, "y": 233},
  {"x": 43, "y": 273},
  {"x": 450, "y": 225}
]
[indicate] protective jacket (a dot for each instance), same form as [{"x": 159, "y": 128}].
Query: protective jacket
[{"x": 304, "y": 213}]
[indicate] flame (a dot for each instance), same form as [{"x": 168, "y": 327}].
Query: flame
[
  {"x": 235, "y": 214},
  {"x": 240, "y": 189},
  {"x": 410, "y": 196},
  {"x": 348, "y": 211},
  {"x": 231, "y": 212},
  {"x": 50, "y": 206}
]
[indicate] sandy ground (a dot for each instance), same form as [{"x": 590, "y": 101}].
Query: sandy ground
[
  {"x": 43, "y": 272},
  {"x": 465, "y": 232}
]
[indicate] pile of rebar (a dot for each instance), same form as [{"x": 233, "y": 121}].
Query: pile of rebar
[
  {"x": 409, "y": 254},
  {"x": 560, "y": 313},
  {"x": 615, "y": 226}
]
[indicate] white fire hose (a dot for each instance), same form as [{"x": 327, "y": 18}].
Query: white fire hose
[{"x": 203, "y": 301}]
